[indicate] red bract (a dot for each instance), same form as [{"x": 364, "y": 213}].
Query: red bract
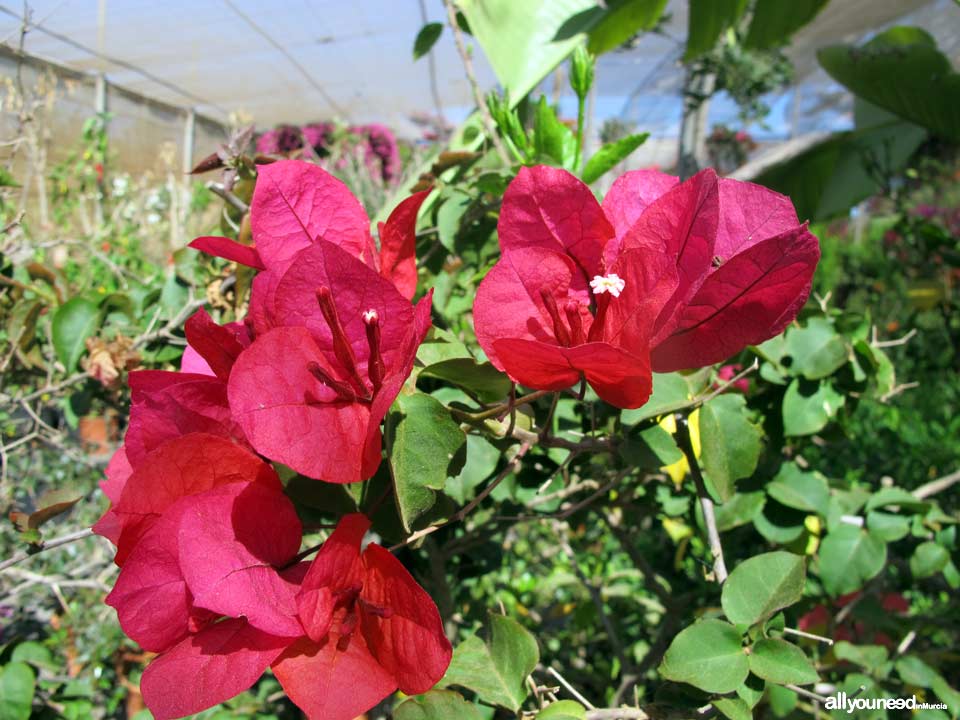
[
  {"x": 296, "y": 203},
  {"x": 205, "y": 533},
  {"x": 665, "y": 276},
  {"x": 335, "y": 343},
  {"x": 185, "y": 466},
  {"x": 370, "y": 629}
]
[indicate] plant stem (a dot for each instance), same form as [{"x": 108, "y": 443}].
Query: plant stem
[{"x": 682, "y": 436}]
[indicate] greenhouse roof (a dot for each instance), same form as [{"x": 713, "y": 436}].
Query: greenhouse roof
[{"x": 306, "y": 60}]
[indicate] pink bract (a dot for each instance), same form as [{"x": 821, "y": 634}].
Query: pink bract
[{"x": 664, "y": 276}]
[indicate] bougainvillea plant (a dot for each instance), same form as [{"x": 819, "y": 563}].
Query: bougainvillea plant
[{"x": 664, "y": 275}]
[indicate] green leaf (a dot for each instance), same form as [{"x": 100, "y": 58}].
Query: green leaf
[
  {"x": 424, "y": 451},
  {"x": 782, "y": 700},
  {"x": 622, "y": 20},
  {"x": 708, "y": 655},
  {"x": 448, "y": 218},
  {"x": 833, "y": 175},
  {"x": 563, "y": 710},
  {"x": 928, "y": 559},
  {"x": 707, "y": 19},
  {"x": 887, "y": 527},
  {"x": 609, "y": 155},
  {"x": 426, "y": 39},
  {"x": 73, "y": 322},
  {"x": 817, "y": 350},
  {"x": 481, "y": 379},
  {"x": 915, "y": 671},
  {"x": 760, "y": 586},
  {"x": 524, "y": 41},
  {"x": 553, "y": 141},
  {"x": 671, "y": 391},
  {"x": 17, "y": 684},
  {"x": 898, "y": 497},
  {"x": 437, "y": 705},
  {"x": 734, "y": 708},
  {"x": 774, "y": 22},
  {"x": 496, "y": 669},
  {"x": 809, "y": 406},
  {"x": 780, "y": 662},
  {"x": 901, "y": 70},
  {"x": 730, "y": 443},
  {"x": 870, "y": 657},
  {"x": 801, "y": 490},
  {"x": 482, "y": 459},
  {"x": 739, "y": 510},
  {"x": 6, "y": 179},
  {"x": 752, "y": 690},
  {"x": 35, "y": 654},
  {"x": 849, "y": 556}
]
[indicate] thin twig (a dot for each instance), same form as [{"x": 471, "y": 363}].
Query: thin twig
[
  {"x": 570, "y": 688},
  {"x": 937, "y": 486},
  {"x": 806, "y": 693},
  {"x": 809, "y": 636},
  {"x": 474, "y": 86},
  {"x": 228, "y": 196},
  {"x": 903, "y": 340},
  {"x": 48, "y": 545},
  {"x": 706, "y": 502},
  {"x": 616, "y": 714}
]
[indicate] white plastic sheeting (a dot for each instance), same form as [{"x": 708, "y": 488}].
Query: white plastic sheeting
[{"x": 304, "y": 60}]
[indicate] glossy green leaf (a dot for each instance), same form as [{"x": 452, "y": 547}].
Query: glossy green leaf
[
  {"x": 708, "y": 655},
  {"x": 73, "y": 322},
  {"x": 774, "y": 22},
  {"x": 928, "y": 559},
  {"x": 730, "y": 442},
  {"x": 800, "y": 489},
  {"x": 525, "y": 41},
  {"x": 809, "y": 406},
  {"x": 849, "y": 556},
  {"x": 425, "y": 449},
  {"x": 707, "y": 20},
  {"x": 482, "y": 380},
  {"x": 762, "y": 585},
  {"x": 781, "y": 662},
  {"x": 437, "y": 705},
  {"x": 607, "y": 157},
  {"x": 496, "y": 668},
  {"x": 621, "y": 21},
  {"x": 816, "y": 350},
  {"x": 17, "y": 684},
  {"x": 426, "y": 39},
  {"x": 902, "y": 71}
]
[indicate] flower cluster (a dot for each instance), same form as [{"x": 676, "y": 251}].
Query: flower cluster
[
  {"x": 378, "y": 144},
  {"x": 206, "y": 539},
  {"x": 663, "y": 276}
]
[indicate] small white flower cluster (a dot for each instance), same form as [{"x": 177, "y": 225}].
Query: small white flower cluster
[{"x": 612, "y": 284}]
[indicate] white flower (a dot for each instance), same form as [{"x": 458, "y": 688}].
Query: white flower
[{"x": 612, "y": 284}]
